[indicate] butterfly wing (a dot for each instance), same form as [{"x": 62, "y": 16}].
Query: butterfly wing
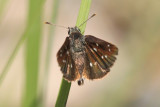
[
  {"x": 66, "y": 62},
  {"x": 100, "y": 56}
]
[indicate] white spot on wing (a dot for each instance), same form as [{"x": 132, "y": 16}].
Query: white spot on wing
[
  {"x": 64, "y": 61},
  {"x": 60, "y": 55},
  {"x": 97, "y": 44},
  {"x": 95, "y": 49},
  {"x": 67, "y": 53},
  {"x": 105, "y": 56},
  {"x": 90, "y": 64},
  {"x": 102, "y": 57},
  {"x": 109, "y": 50},
  {"x": 108, "y": 45},
  {"x": 71, "y": 65}
]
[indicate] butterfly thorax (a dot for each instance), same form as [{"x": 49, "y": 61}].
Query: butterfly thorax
[{"x": 76, "y": 42}]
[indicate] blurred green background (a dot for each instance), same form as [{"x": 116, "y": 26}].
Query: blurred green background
[{"x": 133, "y": 26}]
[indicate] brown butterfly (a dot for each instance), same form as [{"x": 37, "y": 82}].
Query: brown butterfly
[{"x": 85, "y": 56}]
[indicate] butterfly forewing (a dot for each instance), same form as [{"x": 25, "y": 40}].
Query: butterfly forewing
[
  {"x": 105, "y": 50},
  {"x": 62, "y": 53},
  {"x": 102, "y": 56},
  {"x": 93, "y": 70},
  {"x": 66, "y": 62},
  {"x": 101, "y": 45}
]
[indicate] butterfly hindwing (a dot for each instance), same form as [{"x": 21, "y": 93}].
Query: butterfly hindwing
[
  {"x": 66, "y": 62},
  {"x": 101, "y": 55},
  {"x": 71, "y": 74}
]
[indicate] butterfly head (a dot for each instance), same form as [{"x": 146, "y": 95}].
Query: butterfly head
[{"x": 73, "y": 30}]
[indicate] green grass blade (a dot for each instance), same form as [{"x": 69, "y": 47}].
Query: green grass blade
[
  {"x": 49, "y": 49},
  {"x": 63, "y": 94},
  {"x": 33, "y": 43},
  {"x": 11, "y": 58},
  {"x": 65, "y": 86},
  {"x": 83, "y": 14},
  {"x": 4, "y": 71}
]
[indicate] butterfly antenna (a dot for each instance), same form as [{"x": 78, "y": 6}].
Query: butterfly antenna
[
  {"x": 87, "y": 20},
  {"x": 56, "y": 25}
]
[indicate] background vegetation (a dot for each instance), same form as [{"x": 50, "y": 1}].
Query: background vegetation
[{"x": 132, "y": 25}]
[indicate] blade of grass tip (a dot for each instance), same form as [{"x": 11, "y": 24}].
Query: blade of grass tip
[
  {"x": 65, "y": 86},
  {"x": 33, "y": 43}
]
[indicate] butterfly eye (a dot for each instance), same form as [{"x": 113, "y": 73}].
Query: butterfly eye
[{"x": 76, "y": 36}]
